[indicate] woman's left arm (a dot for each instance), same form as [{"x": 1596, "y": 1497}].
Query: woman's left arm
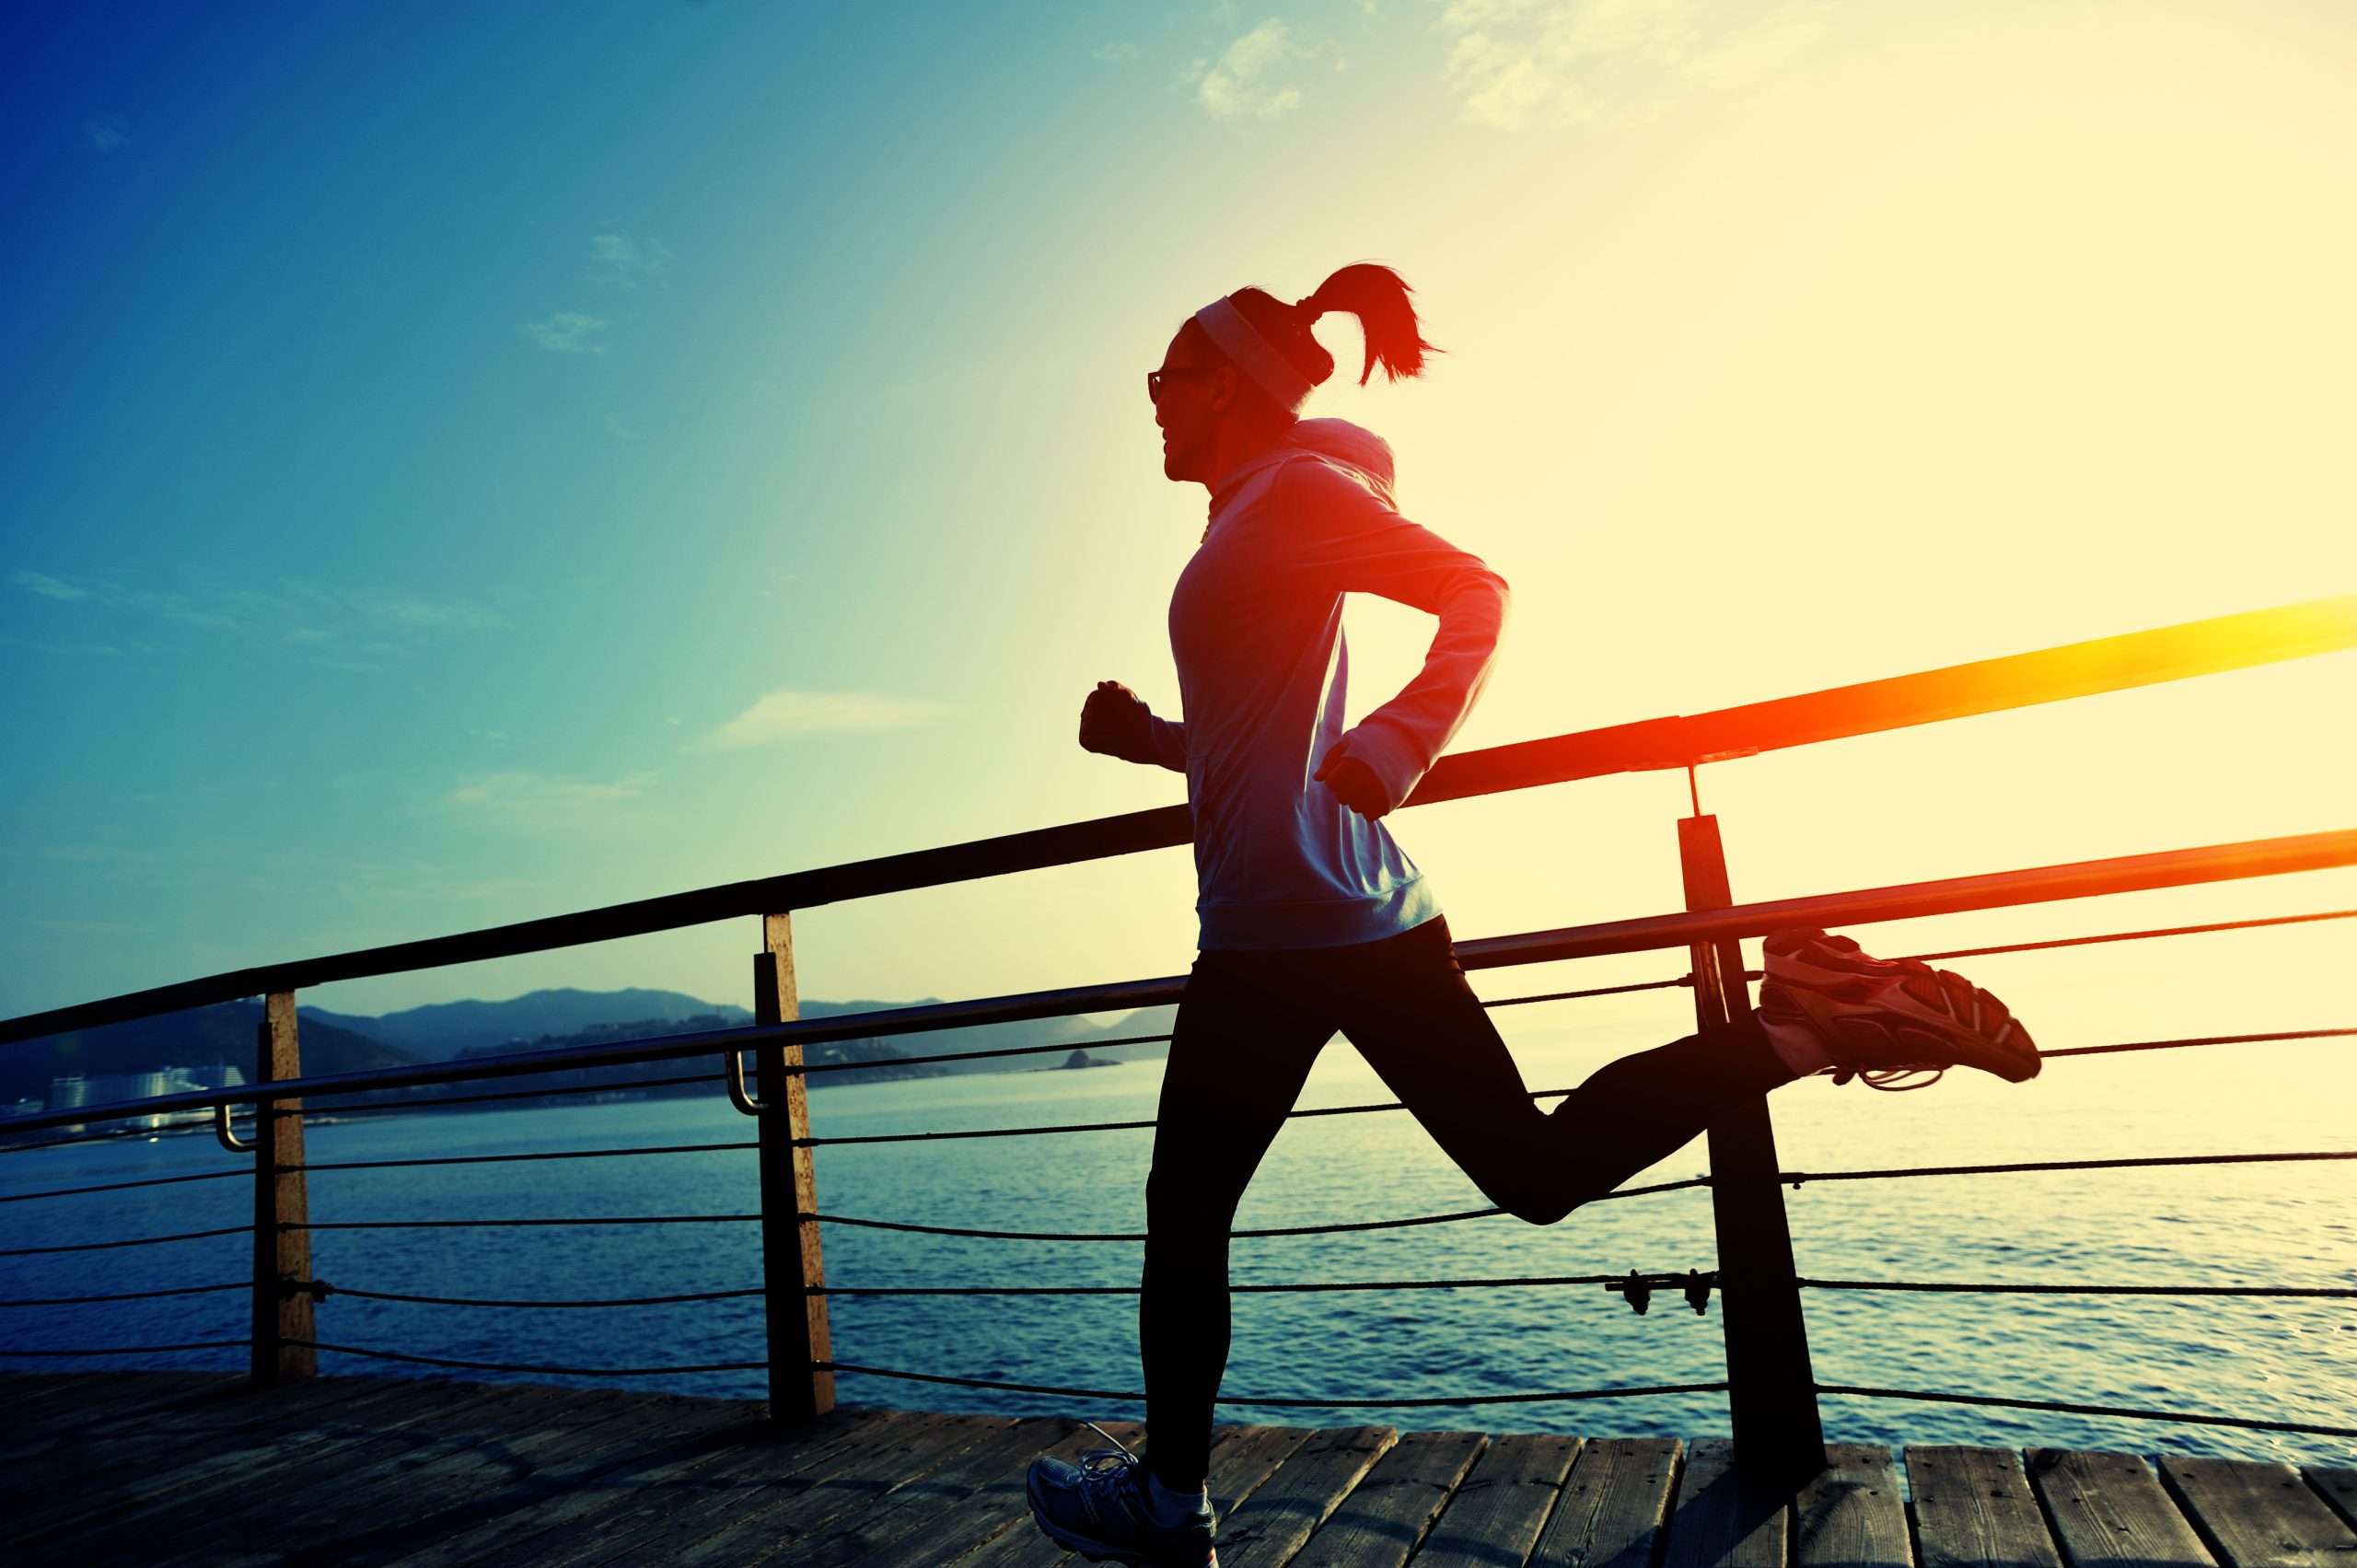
[{"x": 1351, "y": 540}]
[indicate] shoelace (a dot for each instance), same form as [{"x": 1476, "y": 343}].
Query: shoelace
[
  {"x": 1123, "y": 1448},
  {"x": 1887, "y": 1077}
]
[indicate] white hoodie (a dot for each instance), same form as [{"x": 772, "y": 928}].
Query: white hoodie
[{"x": 1256, "y": 628}]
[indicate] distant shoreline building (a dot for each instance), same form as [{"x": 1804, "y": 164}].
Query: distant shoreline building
[{"x": 75, "y": 1091}]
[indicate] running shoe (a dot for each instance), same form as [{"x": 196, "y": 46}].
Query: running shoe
[
  {"x": 1888, "y": 1020},
  {"x": 1099, "y": 1508}
]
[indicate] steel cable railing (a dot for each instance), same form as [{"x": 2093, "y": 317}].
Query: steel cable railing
[
  {"x": 1796, "y": 1178},
  {"x": 141, "y": 1350},
  {"x": 125, "y": 1295},
  {"x": 878, "y": 1026},
  {"x": 533, "y": 1221},
  {"x": 135, "y": 1241},
  {"x": 2064, "y": 1407},
  {"x": 1948, "y": 1287},
  {"x": 1434, "y": 1401},
  {"x": 2204, "y": 1039},
  {"x": 122, "y": 1185},
  {"x": 433, "y": 1102},
  {"x": 1050, "y": 1129},
  {"x": 508, "y": 1159},
  {"x": 533, "y": 1370},
  {"x": 323, "y": 1290},
  {"x": 1330, "y": 1228}
]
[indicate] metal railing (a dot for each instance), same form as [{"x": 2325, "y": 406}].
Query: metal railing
[{"x": 1771, "y": 1387}]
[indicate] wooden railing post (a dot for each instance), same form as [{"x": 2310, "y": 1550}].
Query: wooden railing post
[
  {"x": 282, "y": 1314},
  {"x": 1772, "y": 1389},
  {"x": 792, "y": 1270}
]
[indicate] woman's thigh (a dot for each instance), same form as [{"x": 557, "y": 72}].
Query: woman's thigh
[
  {"x": 1425, "y": 1033},
  {"x": 1250, "y": 1026}
]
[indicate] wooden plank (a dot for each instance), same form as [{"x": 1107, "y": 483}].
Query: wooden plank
[
  {"x": 464, "y": 1463},
  {"x": 76, "y": 1409},
  {"x": 882, "y": 1482},
  {"x": 27, "y": 1398},
  {"x": 1242, "y": 1458},
  {"x": 994, "y": 1509},
  {"x": 1717, "y": 1523},
  {"x": 2337, "y": 1487},
  {"x": 1615, "y": 1506},
  {"x": 556, "y": 1470},
  {"x": 17, "y": 1387},
  {"x": 2112, "y": 1508},
  {"x": 646, "y": 1480},
  {"x": 734, "y": 1489},
  {"x": 2258, "y": 1515},
  {"x": 633, "y": 1508},
  {"x": 1853, "y": 1513},
  {"x": 174, "y": 1445},
  {"x": 1495, "y": 1513},
  {"x": 1391, "y": 1510},
  {"x": 97, "y": 1402},
  {"x": 1274, "y": 1522},
  {"x": 281, "y": 1474},
  {"x": 912, "y": 1514},
  {"x": 1973, "y": 1505},
  {"x": 218, "y": 1471}
]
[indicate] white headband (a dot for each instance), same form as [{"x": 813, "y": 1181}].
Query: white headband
[{"x": 1235, "y": 337}]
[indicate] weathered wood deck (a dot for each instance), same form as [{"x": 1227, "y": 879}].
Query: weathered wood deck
[{"x": 180, "y": 1467}]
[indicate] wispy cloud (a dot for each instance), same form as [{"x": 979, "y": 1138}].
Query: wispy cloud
[
  {"x": 522, "y": 801},
  {"x": 46, "y": 585},
  {"x": 356, "y": 627},
  {"x": 624, "y": 262},
  {"x": 525, "y": 790},
  {"x": 1246, "y": 83},
  {"x": 107, "y": 133},
  {"x": 790, "y": 714},
  {"x": 1118, "y": 53},
  {"x": 567, "y": 331},
  {"x": 1515, "y": 62}
]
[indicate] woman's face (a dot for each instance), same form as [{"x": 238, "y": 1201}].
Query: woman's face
[{"x": 1190, "y": 391}]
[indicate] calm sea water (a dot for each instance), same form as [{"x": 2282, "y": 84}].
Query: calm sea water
[{"x": 2284, "y": 1224}]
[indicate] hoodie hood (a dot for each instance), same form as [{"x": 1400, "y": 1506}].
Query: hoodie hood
[
  {"x": 1349, "y": 444},
  {"x": 1338, "y": 441}
]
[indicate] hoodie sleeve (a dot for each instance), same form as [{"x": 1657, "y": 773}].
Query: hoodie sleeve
[
  {"x": 1167, "y": 743},
  {"x": 1351, "y": 540}
]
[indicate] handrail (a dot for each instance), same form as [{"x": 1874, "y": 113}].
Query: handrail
[
  {"x": 2211, "y": 863},
  {"x": 2075, "y": 669}
]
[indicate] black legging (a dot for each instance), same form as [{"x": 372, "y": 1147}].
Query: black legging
[{"x": 1250, "y": 1026}]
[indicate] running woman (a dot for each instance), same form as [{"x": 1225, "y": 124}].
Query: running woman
[{"x": 1314, "y": 920}]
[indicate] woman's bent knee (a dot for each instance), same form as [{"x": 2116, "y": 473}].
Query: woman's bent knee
[{"x": 1544, "y": 1210}]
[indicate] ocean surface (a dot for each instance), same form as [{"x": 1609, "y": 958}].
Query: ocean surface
[{"x": 2282, "y": 1224}]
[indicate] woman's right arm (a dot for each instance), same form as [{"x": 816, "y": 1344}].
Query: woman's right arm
[{"x": 1116, "y": 722}]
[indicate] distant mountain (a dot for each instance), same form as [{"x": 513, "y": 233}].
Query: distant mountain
[
  {"x": 194, "y": 1039},
  {"x": 539, "y": 1020},
  {"x": 442, "y": 1029},
  {"x": 1066, "y": 1032}
]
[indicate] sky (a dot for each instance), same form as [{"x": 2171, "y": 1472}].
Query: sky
[{"x": 474, "y": 463}]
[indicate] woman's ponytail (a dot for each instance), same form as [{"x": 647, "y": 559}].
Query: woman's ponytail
[
  {"x": 1367, "y": 290},
  {"x": 1378, "y": 297}
]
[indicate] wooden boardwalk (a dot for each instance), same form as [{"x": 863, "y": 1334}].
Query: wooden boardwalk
[{"x": 183, "y": 1467}]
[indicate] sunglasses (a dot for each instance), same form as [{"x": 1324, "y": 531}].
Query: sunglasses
[{"x": 1153, "y": 379}]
